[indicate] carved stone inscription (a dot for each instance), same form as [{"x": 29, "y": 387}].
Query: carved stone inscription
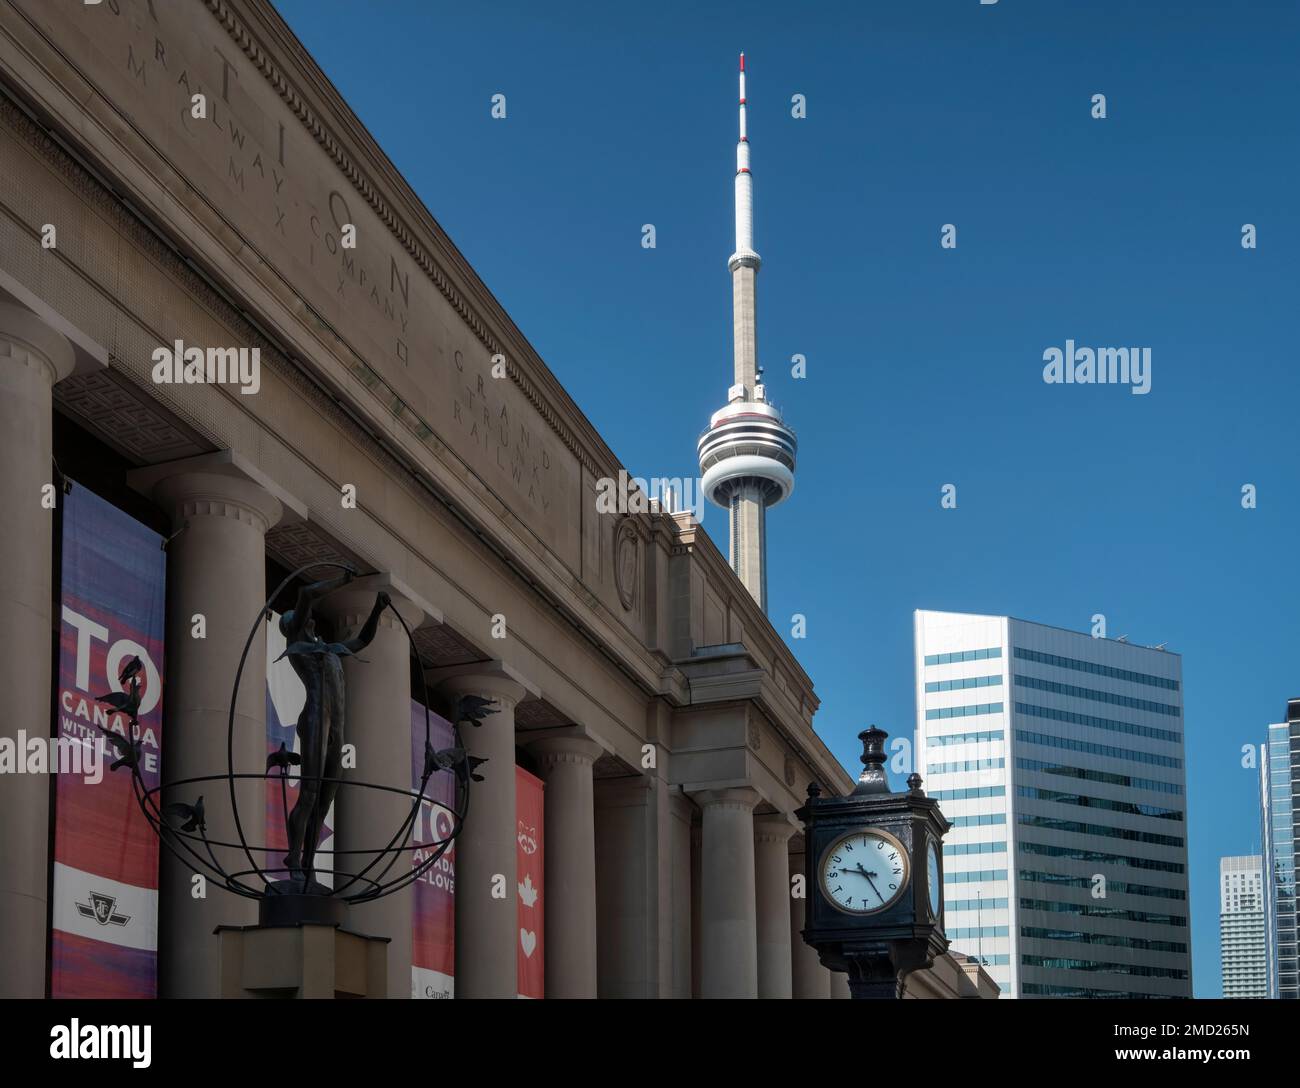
[{"x": 272, "y": 168}]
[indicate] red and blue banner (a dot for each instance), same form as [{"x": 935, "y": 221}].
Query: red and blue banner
[
  {"x": 104, "y": 912},
  {"x": 530, "y": 864},
  {"x": 433, "y": 937},
  {"x": 433, "y": 919}
]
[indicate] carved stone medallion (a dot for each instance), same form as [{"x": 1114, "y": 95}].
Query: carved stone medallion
[{"x": 626, "y": 561}]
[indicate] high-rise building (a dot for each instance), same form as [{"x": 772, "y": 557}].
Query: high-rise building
[
  {"x": 747, "y": 453},
  {"x": 1058, "y": 757},
  {"x": 1279, "y": 802},
  {"x": 1241, "y": 927}
]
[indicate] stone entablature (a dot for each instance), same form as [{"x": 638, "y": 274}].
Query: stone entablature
[{"x": 616, "y": 579}]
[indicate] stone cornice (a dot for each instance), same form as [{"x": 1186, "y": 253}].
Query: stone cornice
[{"x": 360, "y": 158}]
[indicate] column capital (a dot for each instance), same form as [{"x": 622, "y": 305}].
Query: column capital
[
  {"x": 26, "y": 339},
  {"x": 221, "y": 484},
  {"x": 680, "y": 806},
  {"x": 19, "y": 307},
  {"x": 570, "y": 747},
  {"x": 776, "y": 827},
  {"x": 491, "y": 679},
  {"x": 734, "y": 797},
  {"x": 351, "y": 604}
]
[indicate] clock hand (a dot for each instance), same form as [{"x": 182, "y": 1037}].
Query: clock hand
[{"x": 873, "y": 885}]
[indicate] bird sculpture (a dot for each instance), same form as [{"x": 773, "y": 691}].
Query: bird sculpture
[
  {"x": 284, "y": 759},
  {"x": 473, "y": 709},
  {"x": 125, "y": 702},
  {"x": 192, "y": 815},
  {"x": 133, "y": 668},
  {"x": 129, "y": 751}
]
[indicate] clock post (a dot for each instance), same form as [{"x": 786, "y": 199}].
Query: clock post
[{"x": 875, "y": 877}]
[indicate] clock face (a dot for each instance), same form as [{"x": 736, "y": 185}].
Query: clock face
[
  {"x": 864, "y": 871},
  {"x": 933, "y": 878}
]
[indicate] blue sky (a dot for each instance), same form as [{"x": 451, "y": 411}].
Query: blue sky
[{"x": 924, "y": 364}]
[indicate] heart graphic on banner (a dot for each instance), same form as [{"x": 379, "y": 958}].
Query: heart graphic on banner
[{"x": 528, "y": 941}]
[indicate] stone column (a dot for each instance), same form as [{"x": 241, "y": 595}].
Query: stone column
[
  {"x": 809, "y": 978},
  {"x": 772, "y": 893},
  {"x": 729, "y": 936},
  {"x": 633, "y": 887},
  {"x": 215, "y": 570},
  {"x": 680, "y": 938},
  {"x": 32, "y": 358},
  {"x": 378, "y": 724},
  {"x": 487, "y": 928},
  {"x": 565, "y": 764},
  {"x": 697, "y": 915}
]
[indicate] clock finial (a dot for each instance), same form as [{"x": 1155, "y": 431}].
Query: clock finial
[{"x": 873, "y": 778}]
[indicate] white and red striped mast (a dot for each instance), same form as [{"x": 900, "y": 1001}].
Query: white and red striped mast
[{"x": 744, "y": 186}]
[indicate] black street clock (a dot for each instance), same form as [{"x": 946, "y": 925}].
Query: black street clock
[{"x": 875, "y": 877}]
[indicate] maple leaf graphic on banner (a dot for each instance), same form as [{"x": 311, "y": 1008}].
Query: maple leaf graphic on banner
[{"x": 527, "y": 893}]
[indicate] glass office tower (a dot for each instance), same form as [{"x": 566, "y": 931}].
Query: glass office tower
[
  {"x": 1279, "y": 800},
  {"x": 1058, "y": 757}
]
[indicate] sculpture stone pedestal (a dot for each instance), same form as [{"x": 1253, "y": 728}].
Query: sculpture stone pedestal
[{"x": 307, "y": 960}]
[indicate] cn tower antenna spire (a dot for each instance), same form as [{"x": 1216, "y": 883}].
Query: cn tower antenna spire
[
  {"x": 747, "y": 454},
  {"x": 744, "y": 186}
]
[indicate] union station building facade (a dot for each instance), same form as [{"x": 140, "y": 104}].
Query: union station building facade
[{"x": 402, "y": 424}]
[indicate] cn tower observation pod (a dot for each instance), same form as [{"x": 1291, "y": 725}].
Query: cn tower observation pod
[{"x": 747, "y": 447}]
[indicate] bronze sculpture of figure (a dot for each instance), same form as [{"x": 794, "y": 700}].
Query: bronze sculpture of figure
[
  {"x": 289, "y": 894},
  {"x": 319, "y": 665}
]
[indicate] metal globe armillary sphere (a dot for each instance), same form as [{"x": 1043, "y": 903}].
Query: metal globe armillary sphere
[{"x": 290, "y": 893}]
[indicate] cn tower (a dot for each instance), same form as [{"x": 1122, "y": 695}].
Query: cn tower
[{"x": 747, "y": 453}]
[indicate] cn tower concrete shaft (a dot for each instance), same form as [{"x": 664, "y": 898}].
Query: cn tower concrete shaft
[{"x": 749, "y": 539}]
